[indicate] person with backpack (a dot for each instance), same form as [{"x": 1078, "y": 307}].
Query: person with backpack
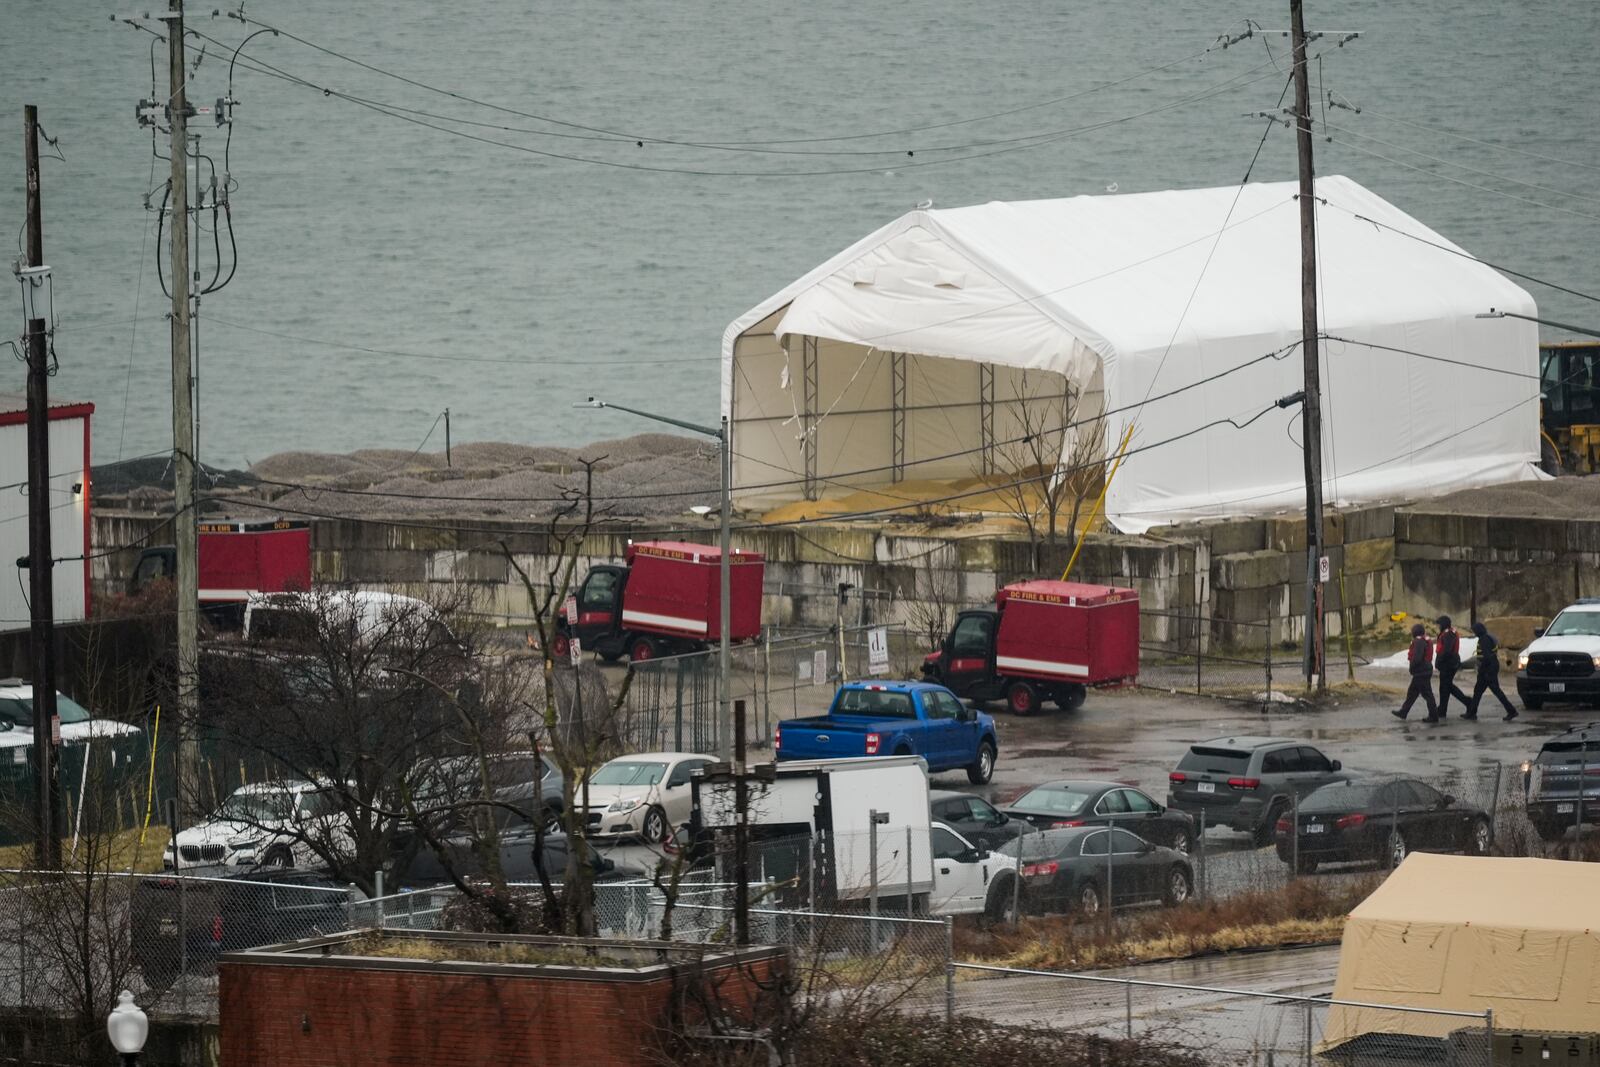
[
  {"x": 1420, "y": 658},
  {"x": 1488, "y": 674},
  {"x": 1447, "y": 658}
]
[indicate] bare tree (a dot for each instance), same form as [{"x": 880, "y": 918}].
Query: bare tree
[{"x": 1051, "y": 463}]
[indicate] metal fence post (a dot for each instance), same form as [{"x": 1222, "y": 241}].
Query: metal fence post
[
  {"x": 1111, "y": 878},
  {"x": 1127, "y": 1007},
  {"x": 909, "y": 909},
  {"x": 949, "y": 969},
  {"x": 1266, "y": 658},
  {"x": 1294, "y": 832},
  {"x": 1197, "y": 646},
  {"x": 1308, "y": 1033},
  {"x": 1488, "y": 1033},
  {"x": 378, "y": 899},
  {"x": 1200, "y": 842},
  {"x": 183, "y": 935}
]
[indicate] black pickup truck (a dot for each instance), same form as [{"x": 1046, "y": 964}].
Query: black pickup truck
[{"x": 182, "y": 924}]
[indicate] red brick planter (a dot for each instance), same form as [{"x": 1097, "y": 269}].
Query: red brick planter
[{"x": 304, "y": 1004}]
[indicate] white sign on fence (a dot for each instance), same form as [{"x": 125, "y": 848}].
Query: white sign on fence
[
  {"x": 575, "y": 650},
  {"x": 570, "y": 608},
  {"x": 1322, "y": 570},
  {"x": 819, "y": 666},
  {"x": 878, "y": 650},
  {"x": 802, "y": 673}
]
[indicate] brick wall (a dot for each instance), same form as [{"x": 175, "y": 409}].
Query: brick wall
[{"x": 330, "y": 1016}]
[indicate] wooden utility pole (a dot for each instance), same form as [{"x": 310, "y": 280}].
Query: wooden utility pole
[
  {"x": 41, "y": 590},
  {"x": 185, "y": 532},
  {"x": 1311, "y": 408}
]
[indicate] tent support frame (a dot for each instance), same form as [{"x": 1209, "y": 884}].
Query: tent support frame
[
  {"x": 808, "y": 374},
  {"x": 986, "y": 414},
  {"x": 897, "y": 418}
]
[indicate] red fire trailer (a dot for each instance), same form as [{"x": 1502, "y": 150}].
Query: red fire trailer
[
  {"x": 665, "y": 600},
  {"x": 1045, "y": 640},
  {"x": 236, "y": 560}
]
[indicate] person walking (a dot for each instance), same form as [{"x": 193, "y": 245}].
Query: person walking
[
  {"x": 1488, "y": 673},
  {"x": 1420, "y": 657},
  {"x": 1447, "y": 658}
]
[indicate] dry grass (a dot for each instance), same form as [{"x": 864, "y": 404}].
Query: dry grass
[
  {"x": 421, "y": 948},
  {"x": 125, "y": 852},
  {"x": 1306, "y": 911}
]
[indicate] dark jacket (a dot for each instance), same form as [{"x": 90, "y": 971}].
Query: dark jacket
[
  {"x": 1448, "y": 649},
  {"x": 1421, "y": 657},
  {"x": 1488, "y": 652}
]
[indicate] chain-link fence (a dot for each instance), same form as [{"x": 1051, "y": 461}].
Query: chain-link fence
[{"x": 1233, "y": 1026}]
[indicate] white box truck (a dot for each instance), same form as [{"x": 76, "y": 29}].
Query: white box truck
[{"x": 811, "y": 826}]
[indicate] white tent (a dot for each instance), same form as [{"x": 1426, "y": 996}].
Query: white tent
[{"x": 915, "y": 353}]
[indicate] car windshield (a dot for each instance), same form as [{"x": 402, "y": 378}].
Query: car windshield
[
  {"x": 1031, "y": 847},
  {"x": 1201, "y": 758},
  {"x": 256, "y": 807},
  {"x": 19, "y": 710},
  {"x": 1574, "y": 624},
  {"x": 629, "y": 772},
  {"x": 879, "y": 703},
  {"x": 1052, "y": 800},
  {"x": 1341, "y": 796},
  {"x": 1572, "y": 751}
]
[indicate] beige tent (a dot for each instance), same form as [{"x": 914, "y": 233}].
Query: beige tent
[{"x": 1468, "y": 933}]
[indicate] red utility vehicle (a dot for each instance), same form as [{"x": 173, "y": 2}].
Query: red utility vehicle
[
  {"x": 1044, "y": 640},
  {"x": 666, "y": 600},
  {"x": 236, "y": 560}
]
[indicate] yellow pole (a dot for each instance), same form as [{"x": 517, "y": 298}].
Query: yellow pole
[
  {"x": 1122, "y": 450},
  {"x": 150, "y": 790}
]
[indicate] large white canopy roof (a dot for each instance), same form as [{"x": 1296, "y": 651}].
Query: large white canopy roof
[{"x": 1168, "y": 295}]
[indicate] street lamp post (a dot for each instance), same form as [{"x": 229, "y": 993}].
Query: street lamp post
[
  {"x": 725, "y": 448},
  {"x": 127, "y": 1027}
]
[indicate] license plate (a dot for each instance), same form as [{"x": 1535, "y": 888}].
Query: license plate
[
  {"x": 167, "y": 927},
  {"x": 1564, "y": 809},
  {"x": 1558, "y": 687},
  {"x": 1315, "y": 828},
  {"x": 1207, "y": 787}
]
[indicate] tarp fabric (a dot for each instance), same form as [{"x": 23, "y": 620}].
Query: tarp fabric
[{"x": 1146, "y": 295}]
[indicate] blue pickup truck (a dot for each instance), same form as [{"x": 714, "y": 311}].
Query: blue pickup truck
[{"x": 896, "y": 719}]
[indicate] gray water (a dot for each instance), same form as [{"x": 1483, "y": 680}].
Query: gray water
[{"x": 357, "y": 229}]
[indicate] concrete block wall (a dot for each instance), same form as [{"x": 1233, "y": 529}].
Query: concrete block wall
[{"x": 1493, "y": 565}]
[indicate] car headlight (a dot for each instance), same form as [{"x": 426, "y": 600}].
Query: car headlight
[
  {"x": 625, "y": 804},
  {"x": 1522, "y": 661},
  {"x": 244, "y": 845}
]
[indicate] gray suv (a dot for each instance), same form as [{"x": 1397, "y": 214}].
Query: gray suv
[
  {"x": 1567, "y": 765},
  {"x": 1247, "y": 783}
]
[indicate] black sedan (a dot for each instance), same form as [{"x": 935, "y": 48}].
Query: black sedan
[
  {"x": 1062, "y": 805},
  {"x": 974, "y": 818},
  {"x": 1380, "y": 820},
  {"x": 1081, "y": 870}
]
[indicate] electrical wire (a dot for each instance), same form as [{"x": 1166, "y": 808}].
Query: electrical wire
[
  {"x": 321, "y": 342},
  {"x": 138, "y": 292},
  {"x": 1433, "y": 127},
  {"x": 724, "y": 145},
  {"x": 1464, "y": 255},
  {"x": 1428, "y": 356}
]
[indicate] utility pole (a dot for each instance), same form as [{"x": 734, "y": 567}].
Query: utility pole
[
  {"x": 46, "y": 729},
  {"x": 185, "y": 532},
  {"x": 1311, "y": 407}
]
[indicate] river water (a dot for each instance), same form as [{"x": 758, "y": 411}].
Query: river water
[{"x": 505, "y": 284}]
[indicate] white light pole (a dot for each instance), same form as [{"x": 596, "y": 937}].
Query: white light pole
[
  {"x": 725, "y": 448},
  {"x": 127, "y": 1026}
]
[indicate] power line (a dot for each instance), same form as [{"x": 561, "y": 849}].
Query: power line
[
  {"x": 1462, "y": 166},
  {"x": 1467, "y": 184},
  {"x": 323, "y": 342},
  {"x": 1429, "y": 356},
  {"x": 1434, "y": 127},
  {"x": 1464, "y": 255}
]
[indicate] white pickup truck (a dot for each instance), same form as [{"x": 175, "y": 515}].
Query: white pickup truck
[{"x": 863, "y": 823}]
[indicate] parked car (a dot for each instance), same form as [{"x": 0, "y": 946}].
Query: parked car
[
  {"x": 896, "y": 719},
  {"x": 78, "y": 724},
  {"x": 974, "y": 818},
  {"x": 1248, "y": 783},
  {"x": 182, "y": 924},
  {"x": 267, "y": 824},
  {"x": 969, "y": 879},
  {"x": 645, "y": 795},
  {"x": 1082, "y": 869},
  {"x": 526, "y": 780},
  {"x": 1057, "y": 805},
  {"x": 515, "y": 843},
  {"x": 1381, "y": 820},
  {"x": 1552, "y": 781},
  {"x": 1563, "y": 661}
]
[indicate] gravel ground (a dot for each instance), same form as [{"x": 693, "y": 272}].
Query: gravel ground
[{"x": 1566, "y": 498}]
